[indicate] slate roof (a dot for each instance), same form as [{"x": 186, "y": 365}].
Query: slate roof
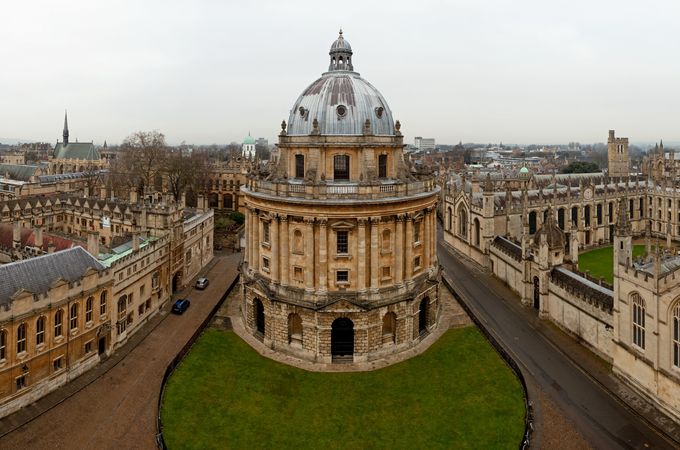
[
  {"x": 76, "y": 150},
  {"x": 18, "y": 172},
  {"x": 37, "y": 274}
]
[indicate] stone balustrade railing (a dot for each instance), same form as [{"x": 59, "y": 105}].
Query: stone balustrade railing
[{"x": 341, "y": 190}]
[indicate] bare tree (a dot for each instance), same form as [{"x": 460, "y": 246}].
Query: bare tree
[
  {"x": 141, "y": 160},
  {"x": 185, "y": 172}
]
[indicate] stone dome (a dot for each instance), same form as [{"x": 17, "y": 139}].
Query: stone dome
[{"x": 341, "y": 101}]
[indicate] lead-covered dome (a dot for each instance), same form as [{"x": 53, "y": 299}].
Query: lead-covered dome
[{"x": 341, "y": 101}]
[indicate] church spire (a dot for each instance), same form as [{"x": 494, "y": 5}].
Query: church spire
[{"x": 65, "y": 135}]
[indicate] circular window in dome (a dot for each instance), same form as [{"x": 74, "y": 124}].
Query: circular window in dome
[
  {"x": 341, "y": 110},
  {"x": 379, "y": 111}
]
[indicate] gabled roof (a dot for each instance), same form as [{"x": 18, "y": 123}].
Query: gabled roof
[
  {"x": 76, "y": 150},
  {"x": 37, "y": 274}
]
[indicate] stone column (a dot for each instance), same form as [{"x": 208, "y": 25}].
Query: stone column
[
  {"x": 361, "y": 257},
  {"x": 323, "y": 255},
  {"x": 256, "y": 240},
  {"x": 284, "y": 250},
  {"x": 433, "y": 240},
  {"x": 274, "y": 228},
  {"x": 408, "y": 244},
  {"x": 426, "y": 240},
  {"x": 399, "y": 251},
  {"x": 375, "y": 256},
  {"x": 309, "y": 252}
]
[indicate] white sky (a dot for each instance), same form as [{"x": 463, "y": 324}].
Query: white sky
[{"x": 210, "y": 71}]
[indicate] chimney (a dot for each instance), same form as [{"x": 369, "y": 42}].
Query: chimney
[
  {"x": 38, "y": 241},
  {"x": 134, "y": 197},
  {"x": 102, "y": 193},
  {"x": 50, "y": 247},
  {"x": 16, "y": 234},
  {"x": 135, "y": 240},
  {"x": 93, "y": 243}
]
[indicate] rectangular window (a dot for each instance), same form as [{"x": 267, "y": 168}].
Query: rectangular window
[
  {"x": 140, "y": 310},
  {"x": 40, "y": 331},
  {"x": 676, "y": 337},
  {"x": 265, "y": 232},
  {"x": 341, "y": 167},
  {"x": 102, "y": 304},
  {"x": 342, "y": 276},
  {"x": 56, "y": 364},
  {"x": 416, "y": 262},
  {"x": 599, "y": 214},
  {"x": 148, "y": 304},
  {"x": 265, "y": 264},
  {"x": 3, "y": 344},
  {"x": 21, "y": 382},
  {"x": 298, "y": 274},
  {"x": 416, "y": 232},
  {"x": 386, "y": 272},
  {"x": 382, "y": 166},
  {"x": 88, "y": 310},
  {"x": 342, "y": 242},
  {"x": 299, "y": 166},
  {"x": 88, "y": 347}
]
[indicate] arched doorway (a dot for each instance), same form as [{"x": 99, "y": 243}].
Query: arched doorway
[
  {"x": 175, "y": 282},
  {"x": 342, "y": 339},
  {"x": 537, "y": 294},
  {"x": 259, "y": 316},
  {"x": 422, "y": 316}
]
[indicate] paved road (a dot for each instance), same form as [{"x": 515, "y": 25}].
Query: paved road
[
  {"x": 118, "y": 410},
  {"x": 603, "y": 421}
]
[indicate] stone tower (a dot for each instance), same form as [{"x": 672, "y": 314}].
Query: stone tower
[
  {"x": 340, "y": 262},
  {"x": 617, "y": 155},
  {"x": 623, "y": 237}
]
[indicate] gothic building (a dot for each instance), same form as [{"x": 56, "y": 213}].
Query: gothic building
[
  {"x": 69, "y": 157},
  {"x": 528, "y": 231},
  {"x": 340, "y": 260}
]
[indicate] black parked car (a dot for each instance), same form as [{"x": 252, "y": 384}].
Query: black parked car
[{"x": 181, "y": 305}]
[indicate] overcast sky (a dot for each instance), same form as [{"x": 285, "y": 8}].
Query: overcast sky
[{"x": 211, "y": 71}]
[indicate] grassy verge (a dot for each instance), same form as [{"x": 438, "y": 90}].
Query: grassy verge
[{"x": 458, "y": 394}]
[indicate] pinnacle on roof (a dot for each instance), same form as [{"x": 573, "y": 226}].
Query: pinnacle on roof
[{"x": 65, "y": 133}]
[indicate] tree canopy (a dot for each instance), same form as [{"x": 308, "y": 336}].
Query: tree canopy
[{"x": 581, "y": 167}]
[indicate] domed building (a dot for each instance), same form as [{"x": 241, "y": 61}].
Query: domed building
[
  {"x": 248, "y": 147},
  {"x": 340, "y": 261}
]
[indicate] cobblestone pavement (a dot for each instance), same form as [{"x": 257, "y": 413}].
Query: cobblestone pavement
[{"x": 118, "y": 409}]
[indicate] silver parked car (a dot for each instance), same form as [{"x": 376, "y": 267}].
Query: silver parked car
[{"x": 202, "y": 283}]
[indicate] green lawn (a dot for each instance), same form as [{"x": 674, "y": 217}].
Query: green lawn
[
  {"x": 600, "y": 262},
  {"x": 458, "y": 394}
]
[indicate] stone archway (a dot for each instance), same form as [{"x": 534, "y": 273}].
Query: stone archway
[
  {"x": 342, "y": 340},
  {"x": 422, "y": 315},
  {"x": 259, "y": 316}
]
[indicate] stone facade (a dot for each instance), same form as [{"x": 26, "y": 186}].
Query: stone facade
[{"x": 340, "y": 259}]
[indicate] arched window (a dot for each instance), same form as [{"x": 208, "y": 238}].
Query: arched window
[
  {"x": 298, "y": 242},
  {"x": 341, "y": 167},
  {"x": 295, "y": 330},
  {"x": 560, "y": 218},
  {"x": 21, "y": 338},
  {"x": 586, "y": 215},
  {"x": 676, "y": 335},
  {"x": 58, "y": 321},
  {"x": 478, "y": 231},
  {"x": 389, "y": 328},
  {"x": 574, "y": 215},
  {"x": 73, "y": 316},
  {"x": 532, "y": 222},
  {"x": 3, "y": 344},
  {"x": 102, "y": 303},
  {"x": 449, "y": 218},
  {"x": 386, "y": 244},
  {"x": 299, "y": 166},
  {"x": 382, "y": 166},
  {"x": 462, "y": 223},
  {"x": 88, "y": 309},
  {"x": 638, "y": 320},
  {"x": 122, "y": 303},
  {"x": 40, "y": 330}
]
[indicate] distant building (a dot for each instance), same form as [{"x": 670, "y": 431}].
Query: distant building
[
  {"x": 424, "y": 144},
  {"x": 71, "y": 157},
  {"x": 248, "y": 147}
]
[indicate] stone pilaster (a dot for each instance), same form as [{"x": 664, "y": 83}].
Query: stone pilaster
[
  {"x": 361, "y": 255},
  {"x": 408, "y": 257},
  {"x": 426, "y": 238},
  {"x": 375, "y": 256},
  {"x": 256, "y": 241}
]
